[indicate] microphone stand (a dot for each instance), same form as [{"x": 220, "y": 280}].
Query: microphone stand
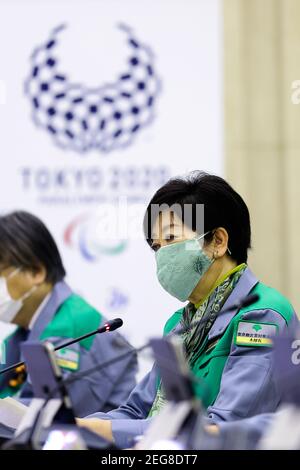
[{"x": 106, "y": 328}]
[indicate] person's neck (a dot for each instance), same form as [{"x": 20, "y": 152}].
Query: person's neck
[
  {"x": 31, "y": 304},
  {"x": 211, "y": 279}
]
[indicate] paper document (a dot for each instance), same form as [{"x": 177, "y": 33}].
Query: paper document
[{"x": 11, "y": 412}]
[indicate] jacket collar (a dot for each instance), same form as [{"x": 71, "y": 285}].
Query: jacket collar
[
  {"x": 244, "y": 286},
  {"x": 60, "y": 293}
]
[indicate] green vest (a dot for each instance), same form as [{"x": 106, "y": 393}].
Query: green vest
[
  {"x": 74, "y": 318},
  {"x": 211, "y": 359}
]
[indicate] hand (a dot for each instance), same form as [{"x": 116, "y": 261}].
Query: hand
[
  {"x": 99, "y": 426},
  {"x": 212, "y": 429}
]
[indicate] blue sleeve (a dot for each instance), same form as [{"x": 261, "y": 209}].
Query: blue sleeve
[
  {"x": 248, "y": 387},
  {"x": 110, "y": 386},
  {"x": 130, "y": 420}
]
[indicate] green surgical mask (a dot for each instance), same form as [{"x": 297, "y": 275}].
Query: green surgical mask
[{"x": 180, "y": 266}]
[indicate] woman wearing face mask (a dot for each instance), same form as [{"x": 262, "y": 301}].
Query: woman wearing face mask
[
  {"x": 35, "y": 297},
  {"x": 203, "y": 261}
]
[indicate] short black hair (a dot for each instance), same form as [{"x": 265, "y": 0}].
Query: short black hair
[
  {"x": 223, "y": 207},
  {"x": 25, "y": 242}
]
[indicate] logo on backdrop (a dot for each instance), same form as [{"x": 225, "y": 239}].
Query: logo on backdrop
[
  {"x": 80, "y": 118},
  {"x": 84, "y": 233},
  {"x": 116, "y": 299}
]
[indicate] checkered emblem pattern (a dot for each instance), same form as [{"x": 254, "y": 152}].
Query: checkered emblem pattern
[{"x": 80, "y": 118}]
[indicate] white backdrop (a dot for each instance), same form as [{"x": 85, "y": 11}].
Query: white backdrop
[{"x": 67, "y": 188}]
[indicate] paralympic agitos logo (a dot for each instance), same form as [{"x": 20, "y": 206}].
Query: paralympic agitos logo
[
  {"x": 84, "y": 231},
  {"x": 81, "y": 118}
]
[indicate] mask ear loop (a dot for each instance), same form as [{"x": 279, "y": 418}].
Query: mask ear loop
[
  {"x": 17, "y": 270},
  {"x": 203, "y": 235},
  {"x": 28, "y": 294}
]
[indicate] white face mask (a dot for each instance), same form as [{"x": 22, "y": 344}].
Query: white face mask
[{"x": 8, "y": 306}]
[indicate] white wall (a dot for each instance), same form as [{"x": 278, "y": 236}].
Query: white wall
[{"x": 186, "y": 134}]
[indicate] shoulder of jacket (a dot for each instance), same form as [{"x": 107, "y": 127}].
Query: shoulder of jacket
[
  {"x": 75, "y": 317},
  {"x": 270, "y": 299}
]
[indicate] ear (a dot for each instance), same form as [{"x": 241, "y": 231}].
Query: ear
[
  {"x": 39, "y": 275},
  {"x": 220, "y": 242}
]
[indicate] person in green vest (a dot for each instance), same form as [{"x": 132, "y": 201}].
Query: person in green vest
[
  {"x": 35, "y": 297},
  {"x": 199, "y": 229}
]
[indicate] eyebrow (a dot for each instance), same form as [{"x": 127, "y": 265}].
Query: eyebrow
[{"x": 169, "y": 226}]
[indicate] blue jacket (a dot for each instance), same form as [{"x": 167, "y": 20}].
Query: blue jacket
[
  {"x": 247, "y": 385},
  {"x": 66, "y": 316}
]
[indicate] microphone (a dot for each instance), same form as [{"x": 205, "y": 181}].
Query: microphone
[
  {"x": 245, "y": 302},
  {"x": 110, "y": 325}
]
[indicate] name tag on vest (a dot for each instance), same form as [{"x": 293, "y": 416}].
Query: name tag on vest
[
  {"x": 67, "y": 359},
  {"x": 255, "y": 334}
]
